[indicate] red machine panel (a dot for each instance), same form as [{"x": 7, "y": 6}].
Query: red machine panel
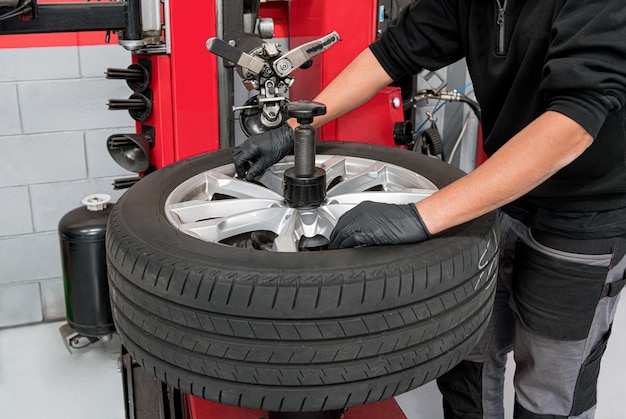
[
  {"x": 372, "y": 122},
  {"x": 204, "y": 409},
  {"x": 184, "y": 87}
]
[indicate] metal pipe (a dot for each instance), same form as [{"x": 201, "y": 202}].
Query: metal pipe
[{"x": 151, "y": 17}]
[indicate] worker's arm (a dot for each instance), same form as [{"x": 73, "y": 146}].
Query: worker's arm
[
  {"x": 545, "y": 146},
  {"x": 355, "y": 85},
  {"x": 548, "y": 144}
]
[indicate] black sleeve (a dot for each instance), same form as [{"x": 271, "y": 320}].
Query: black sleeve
[
  {"x": 584, "y": 76},
  {"x": 425, "y": 35}
]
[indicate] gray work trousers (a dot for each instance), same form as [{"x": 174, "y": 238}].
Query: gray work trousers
[{"x": 554, "y": 307}]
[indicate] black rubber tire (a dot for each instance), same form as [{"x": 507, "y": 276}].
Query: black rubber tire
[{"x": 307, "y": 331}]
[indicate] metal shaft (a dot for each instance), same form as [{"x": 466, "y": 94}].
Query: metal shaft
[{"x": 304, "y": 150}]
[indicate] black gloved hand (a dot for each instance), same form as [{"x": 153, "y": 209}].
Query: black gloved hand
[
  {"x": 375, "y": 223},
  {"x": 260, "y": 151}
]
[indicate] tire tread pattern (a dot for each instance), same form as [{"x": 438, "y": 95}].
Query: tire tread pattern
[{"x": 302, "y": 333}]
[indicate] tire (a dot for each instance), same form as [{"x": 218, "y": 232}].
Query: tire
[{"x": 297, "y": 332}]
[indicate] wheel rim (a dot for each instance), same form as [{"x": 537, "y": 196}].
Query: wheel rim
[{"x": 217, "y": 207}]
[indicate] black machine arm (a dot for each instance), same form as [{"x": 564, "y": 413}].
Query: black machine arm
[
  {"x": 67, "y": 17},
  {"x": 123, "y": 17}
]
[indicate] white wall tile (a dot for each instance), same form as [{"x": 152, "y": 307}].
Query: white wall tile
[
  {"x": 96, "y": 59},
  {"x": 15, "y": 214},
  {"x": 53, "y": 299},
  {"x": 20, "y": 304},
  {"x": 68, "y": 105},
  {"x": 10, "y": 123},
  {"x": 30, "y": 257},
  {"x": 50, "y": 202},
  {"x": 42, "y": 158},
  {"x": 21, "y": 64}
]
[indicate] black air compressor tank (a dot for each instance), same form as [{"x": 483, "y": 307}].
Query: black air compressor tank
[{"x": 82, "y": 233}]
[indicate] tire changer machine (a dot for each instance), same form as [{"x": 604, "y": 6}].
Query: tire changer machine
[{"x": 207, "y": 73}]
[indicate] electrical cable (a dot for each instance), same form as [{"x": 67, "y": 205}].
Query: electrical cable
[
  {"x": 472, "y": 104},
  {"x": 461, "y": 98},
  {"x": 454, "y": 96},
  {"x": 11, "y": 15},
  {"x": 20, "y": 9}
]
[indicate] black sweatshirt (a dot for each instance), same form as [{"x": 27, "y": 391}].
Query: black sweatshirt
[{"x": 525, "y": 58}]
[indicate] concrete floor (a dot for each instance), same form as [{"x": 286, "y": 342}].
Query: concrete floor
[{"x": 40, "y": 379}]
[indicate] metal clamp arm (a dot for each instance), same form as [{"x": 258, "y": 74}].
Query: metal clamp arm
[
  {"x": 296, "y": 57},
  {"x": 235, "y": 55}
]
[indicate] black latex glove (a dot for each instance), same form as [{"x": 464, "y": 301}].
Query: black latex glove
[
  {"x": 260, "y": 151},
  {"x": 376, "y": 223}
]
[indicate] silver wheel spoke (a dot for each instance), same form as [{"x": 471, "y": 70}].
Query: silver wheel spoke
[
  {"x": 405, "y": 197},
  {"x": 335, "y": 167},
  {"x": 272, "y": 178},
  {"x": 191, "y": 211},
  {"x": 285, "y": 240},
  {"x": 375, "y": 175},
  {"x": 218, "y": 182},
  {"x": 218, "y": 229}
]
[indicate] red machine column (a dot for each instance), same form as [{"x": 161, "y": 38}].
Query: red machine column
[
  {"x": 184, "y": 86},
  {"x": 374, "y": 121}
]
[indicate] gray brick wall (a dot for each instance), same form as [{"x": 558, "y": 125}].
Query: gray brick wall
[{"x": 53, "y": 127}]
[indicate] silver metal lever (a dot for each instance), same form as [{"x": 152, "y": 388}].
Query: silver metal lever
[
  {"x": 228, "y": 52},
  {"x": 296, "y": 57}
]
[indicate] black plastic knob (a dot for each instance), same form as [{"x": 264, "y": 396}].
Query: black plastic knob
[{"x": 305, "y": 110}]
